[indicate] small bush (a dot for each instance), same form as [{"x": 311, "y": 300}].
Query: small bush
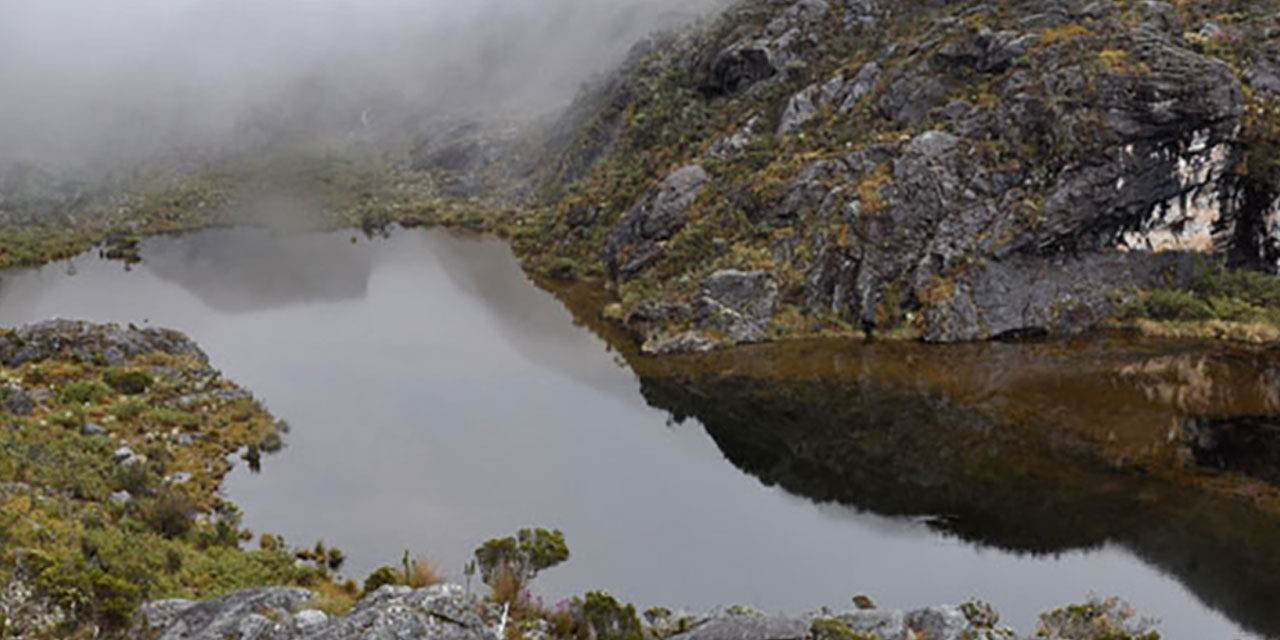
[
  {"x": 602, "y": 617},
  {"x": 129, "y": 383},
  {"x": 128, "y": 410},
  {"x": 530, "y": 551},
  {"x": 1096, "y": 619},
  {"x": 84, "y": 391},
  {"x": 423, "y": 573},
  {"x": 380, "y": 577},
  {"x": 171, "y": 514}
]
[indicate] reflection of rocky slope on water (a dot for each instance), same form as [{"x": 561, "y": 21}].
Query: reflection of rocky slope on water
[
  {"x": 246, "y": 270},
  {"x": 959, "y": 437}
]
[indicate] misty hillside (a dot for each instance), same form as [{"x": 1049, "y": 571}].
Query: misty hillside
[{"x": 953, "y": 170}]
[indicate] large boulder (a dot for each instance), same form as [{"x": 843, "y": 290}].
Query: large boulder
[
  {"x": 279, "y": 613},
  {"x": 637, "y": 241}
]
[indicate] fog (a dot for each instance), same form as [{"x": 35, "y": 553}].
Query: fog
[{"x": 93, "y": 83}]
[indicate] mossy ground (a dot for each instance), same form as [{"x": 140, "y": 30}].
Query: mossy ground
[{"x": 97, "y": 557}]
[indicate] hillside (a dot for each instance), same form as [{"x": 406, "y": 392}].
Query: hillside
[{"x": 945, "y": 170}]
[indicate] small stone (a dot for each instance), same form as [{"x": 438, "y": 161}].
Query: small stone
[
  {"x": 120, "y": 498},
  {"x": 309, "y": 620},
  {"x": 181, "y": 477},
  {"x": 17, "y": 401},
  {"x": 93, "y": 429}
]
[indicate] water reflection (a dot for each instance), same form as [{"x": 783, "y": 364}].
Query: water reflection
[
  {"x": 238, "y": 271},
  {"x": 437, "y": 399}
]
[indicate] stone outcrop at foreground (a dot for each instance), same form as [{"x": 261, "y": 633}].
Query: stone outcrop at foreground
[{"x": 446, "y": 613}]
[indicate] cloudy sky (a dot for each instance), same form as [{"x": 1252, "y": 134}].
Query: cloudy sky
[{"x": 82, "y": 80}]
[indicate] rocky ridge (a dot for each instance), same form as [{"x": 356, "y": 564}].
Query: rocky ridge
[
  {"x": 950, "y": 170},
  {"x": 445, "y": 612}
]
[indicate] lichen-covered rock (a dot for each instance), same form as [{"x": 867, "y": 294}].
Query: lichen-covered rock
[{"x": 280, "y": 613}]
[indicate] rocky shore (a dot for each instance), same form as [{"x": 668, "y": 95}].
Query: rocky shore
[{"x": 446, "y": 612}]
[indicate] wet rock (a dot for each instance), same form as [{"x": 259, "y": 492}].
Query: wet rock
[{"x": 636, "y": 242}]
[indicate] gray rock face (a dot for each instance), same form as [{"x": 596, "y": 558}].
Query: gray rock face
[
  {"x": 1079, "y": 150},
  {"x": 87, "y": 341},
  {"x": 837, "y": 92},
  {"x": 279, "y": 613},
  {"x": 738, "y": 304},
  {"x": 636, "y": 243},
  {"x": 1153, "y": 193}
]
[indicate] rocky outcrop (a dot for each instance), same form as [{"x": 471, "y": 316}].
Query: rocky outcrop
[
  {"x": 445, "y": 613},
  {"x": 959, "y": 171},
  {"x": 280, "y": 613},
  {"x": 89, "y": 342},
  {"x": 737, "y": 304},
  {"x": 640, "y": 238}
]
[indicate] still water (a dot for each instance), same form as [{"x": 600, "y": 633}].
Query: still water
[{"x": 438, "y": 398}]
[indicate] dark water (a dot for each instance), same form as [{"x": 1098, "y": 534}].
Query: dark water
[{"x": 437, "y": 399}]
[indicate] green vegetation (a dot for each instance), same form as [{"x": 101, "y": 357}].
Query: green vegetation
[
  {"x": 509, "y": 564},
  {"x": 1218, "y": 303},
  {"x": 96, "y": 532},
  {"x": 1095, "y": 620}
]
